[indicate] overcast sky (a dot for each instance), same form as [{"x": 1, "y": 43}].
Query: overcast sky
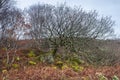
[{"x": 103, "y": 7}]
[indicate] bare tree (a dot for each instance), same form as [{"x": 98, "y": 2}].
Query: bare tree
[
  {"x": 64, "y": 27},
  {"x": 13, "y": 29},
  {"x": 37, "y": 19},
  {"x": 5, "y": 7}
]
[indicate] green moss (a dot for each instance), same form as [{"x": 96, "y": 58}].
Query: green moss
[
  {"x": 59, "y": 64},
  {"x": 32, "y": 63},
  {"x": 115, "y": 78},
  {"x": 64, "y": 67},
  {"x": 76, "y": 58},
  {"x": 31, "y": 54},
  {"x": 15, "y": 66},
  {"x": 101, "y": 77},
  {"x": 17, "y": 58},
  {"x": 54, "y": 67},
  {"x": 76, "y": 67}
]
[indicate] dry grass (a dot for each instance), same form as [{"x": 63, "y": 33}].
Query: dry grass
[{"x": 40, "y": 72}]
